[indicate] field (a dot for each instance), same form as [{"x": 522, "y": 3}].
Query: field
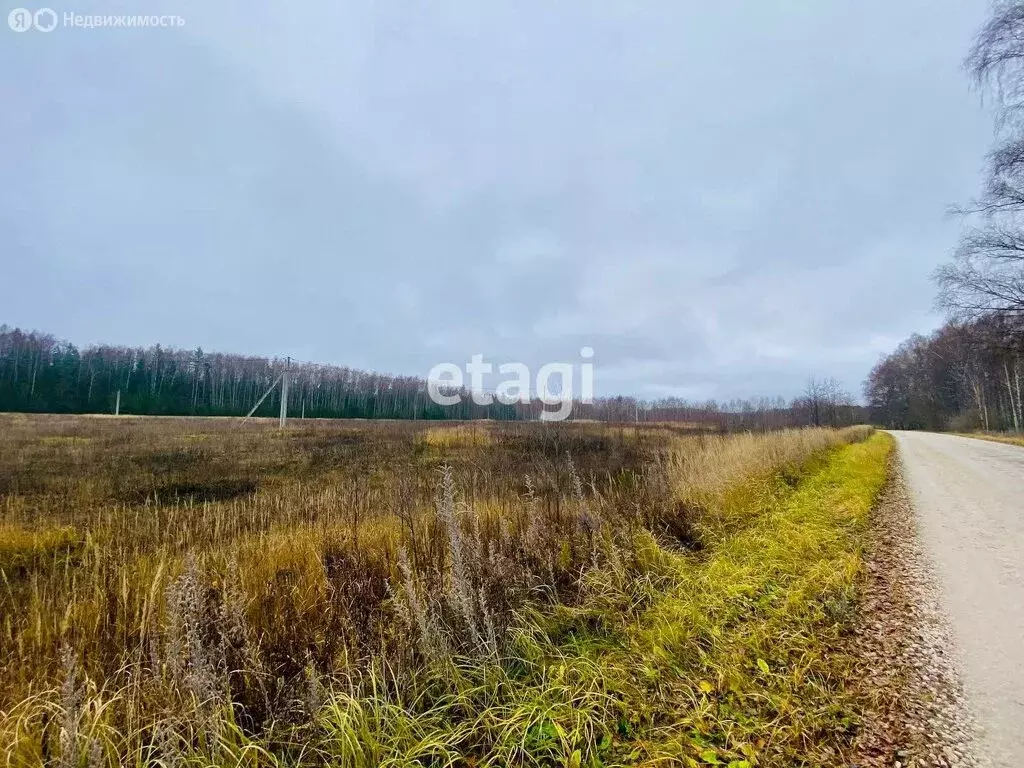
[
  {"x": 996, "y": 437},
  {"x": 196, "y": 592}
]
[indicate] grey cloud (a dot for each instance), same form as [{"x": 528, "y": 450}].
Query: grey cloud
[{"x": 721, "y": 199}]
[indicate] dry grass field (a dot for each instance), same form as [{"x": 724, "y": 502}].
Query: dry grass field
[
  {"x": 196, "y": 592},
  {"x": 996, "y": 437}
]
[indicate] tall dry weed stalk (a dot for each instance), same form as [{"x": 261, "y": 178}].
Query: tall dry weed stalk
[
  {"x": 192, "y": 663},
  {"x": 413, "y": 612},
  {"x": 459, "y": 588},
  {"x": 72, "y": 702}
]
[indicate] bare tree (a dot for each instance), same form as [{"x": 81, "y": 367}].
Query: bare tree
[
  {"x": 986, "y": 274},
  {"x": 996, "y": 61},
  {"x": 987, "y": 271}
]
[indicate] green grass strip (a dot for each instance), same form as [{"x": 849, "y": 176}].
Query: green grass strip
[{"x": 743, "y": 659}]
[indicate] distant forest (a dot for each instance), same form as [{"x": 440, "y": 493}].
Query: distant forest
[
  {"x": 39, "y": 373},
  {"x": 964, "y": 376}
]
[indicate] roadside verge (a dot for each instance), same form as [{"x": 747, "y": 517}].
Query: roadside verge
[{"x": 908, "y": 671}]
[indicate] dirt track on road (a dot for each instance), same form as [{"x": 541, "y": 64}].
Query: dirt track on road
[{"x": 969, "y": 499}]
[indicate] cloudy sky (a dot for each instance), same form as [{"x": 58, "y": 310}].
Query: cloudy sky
[{"x": 722, "y": 199}]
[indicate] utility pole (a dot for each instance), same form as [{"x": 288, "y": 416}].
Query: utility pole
[
  {"x": 260, "y": 401},
  {"x": 284, "y": 391}
]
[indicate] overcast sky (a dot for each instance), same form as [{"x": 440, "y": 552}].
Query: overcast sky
[{"x": 721, "y": 198}]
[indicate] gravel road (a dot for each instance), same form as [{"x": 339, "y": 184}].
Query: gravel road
[{"x": 969, "y": 496}]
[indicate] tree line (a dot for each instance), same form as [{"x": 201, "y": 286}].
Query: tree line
[
  {"x": 964, "y": 376},
  {"x": 42, "y": 374},
  {"x": 967, "y": 374},
  {"x": 39, "y": 373}
]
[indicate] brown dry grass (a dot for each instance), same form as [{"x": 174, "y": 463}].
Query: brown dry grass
[
  {"x": 99, "y": 514},
  {"x": 996, "y": 437},
  {"x": 184, "y": 564}
]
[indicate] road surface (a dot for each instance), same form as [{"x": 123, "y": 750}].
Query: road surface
[{"x": 969, "y": 496}]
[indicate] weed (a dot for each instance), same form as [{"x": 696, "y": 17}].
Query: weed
[{"x": 425, "y": 595}]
